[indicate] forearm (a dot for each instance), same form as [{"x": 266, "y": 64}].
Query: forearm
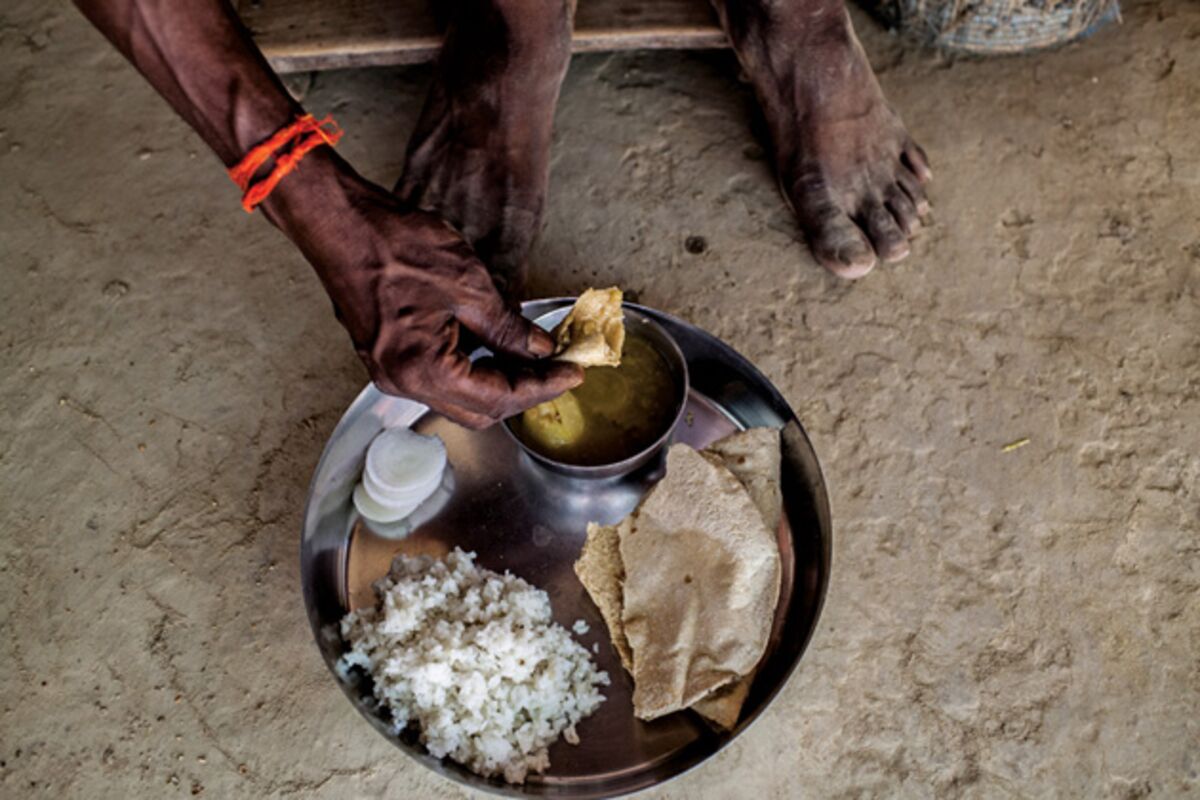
[
  {"x": 198, "y": 55},
  {"x": 200, "y": 58}
]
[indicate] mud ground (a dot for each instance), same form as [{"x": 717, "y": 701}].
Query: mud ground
[{"x": 1001, "y": 622}]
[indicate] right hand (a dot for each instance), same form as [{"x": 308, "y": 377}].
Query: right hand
[{"x": 405, "y": 284}]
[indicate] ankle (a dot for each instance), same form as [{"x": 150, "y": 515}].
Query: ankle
[{"x": 790, "y": 24}]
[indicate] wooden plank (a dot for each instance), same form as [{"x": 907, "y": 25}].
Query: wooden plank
[{"x": 304, "y": 35}]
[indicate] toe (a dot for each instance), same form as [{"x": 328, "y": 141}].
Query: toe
[
  {"x": 915, "y": 159},
  {"x": 913, "y": 188},
  {"x": 890, "y": 242},
  {"x": 841, "y": 247},
  {"x": 838, "y": 244},
  {"x": 903, "y": 209}
]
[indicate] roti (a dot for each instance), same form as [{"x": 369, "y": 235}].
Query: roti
[
  {"x": 593, "y": 333},
  {"x": 702, "y": 574},
  {"x": 601, "y": 572},
  {"x": 753, "y": 457}
]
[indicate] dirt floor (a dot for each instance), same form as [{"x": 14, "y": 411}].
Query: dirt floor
[{"x": 1002, "y": 621}]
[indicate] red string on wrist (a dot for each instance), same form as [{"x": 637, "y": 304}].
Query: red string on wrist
[{"x": 303, "y": 135}]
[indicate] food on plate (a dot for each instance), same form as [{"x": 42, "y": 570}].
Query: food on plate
[
  {"x": 473, "y": 659},
  {"x": 622, "y": 410},
  {"x": 593, "y": 333},
  {"x": 723, "y": 707},
  {"x": 753, "y": 456},
  {"x": 403, "y": 469},
  {"x": 600, "y": 571},
  {"x": 688, "y": 583},
  {"x": 702, "y": 578},
  {"x": 556, "y": 423}
]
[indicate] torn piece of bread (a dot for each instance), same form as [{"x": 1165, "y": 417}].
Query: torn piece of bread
[
  {"x": 600, "y": 571},
  {"x": 593, "y": 333},
  {"x": 723, "y": 707}
]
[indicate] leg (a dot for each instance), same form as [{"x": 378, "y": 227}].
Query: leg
[
  {"x": 845, "y": 163},
  {"x": 480, "y": 155}
]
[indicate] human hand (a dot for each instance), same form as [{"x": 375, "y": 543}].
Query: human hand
[{"x": 406, "y": 285}]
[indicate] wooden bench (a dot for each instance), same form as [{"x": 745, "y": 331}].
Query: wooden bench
[{"x": 307, "y": 35}]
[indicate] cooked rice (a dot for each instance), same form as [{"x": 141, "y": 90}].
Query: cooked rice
[{"x": 475, "y": 660}]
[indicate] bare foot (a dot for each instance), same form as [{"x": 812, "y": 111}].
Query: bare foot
[
  {"x": 480, "y": 155},
  {"x": 846, "y": 164}
]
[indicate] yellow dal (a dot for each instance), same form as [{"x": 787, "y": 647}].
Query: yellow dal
[{"x": 614, "y": 414}]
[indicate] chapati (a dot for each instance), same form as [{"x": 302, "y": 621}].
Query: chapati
[
  {"x": 601, "y": 572},
  {"x": 702, "y": 575},
  {"x": 593, "y": 332}
]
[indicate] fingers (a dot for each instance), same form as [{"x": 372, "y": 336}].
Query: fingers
[
  {"x": 484, "y": 395},
  {"x": 468, "y": 419},
  {"x": 484, "y": 387},
  {"x": 487, "y": 390},
  {"x": 479, "y": 307},
  {"x": 501, "y": 328},
  {"x": 451, "y": 411}
]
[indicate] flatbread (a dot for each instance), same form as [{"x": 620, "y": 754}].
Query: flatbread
[
  {"x": 723, "y": 707},
  {"x": 601, "y": 572},
  {"x": 754, "y": 458},
  {"x": 702, "y": 575},
  {"x": 593, "y": 333}
]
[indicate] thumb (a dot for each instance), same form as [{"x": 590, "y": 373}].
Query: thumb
[{"x": 505, "y": 330}]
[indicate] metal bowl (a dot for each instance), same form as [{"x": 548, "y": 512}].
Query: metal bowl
[
  {"x": 637, "y": 324},
  {"x": 518, "y": 516}
]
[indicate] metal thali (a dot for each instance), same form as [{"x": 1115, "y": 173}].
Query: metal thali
[{"x": 518, "y": 516}]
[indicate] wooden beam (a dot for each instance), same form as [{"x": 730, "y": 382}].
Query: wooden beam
[{"x": 307, "y": 35}]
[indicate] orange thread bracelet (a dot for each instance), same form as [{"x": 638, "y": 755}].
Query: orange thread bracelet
[{"x": 305, "y": 134}]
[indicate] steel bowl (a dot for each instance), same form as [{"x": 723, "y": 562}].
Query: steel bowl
[{"x": 637, "y": 324}]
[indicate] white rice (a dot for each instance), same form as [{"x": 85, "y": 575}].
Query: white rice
[{"x": 474, "y": 658}]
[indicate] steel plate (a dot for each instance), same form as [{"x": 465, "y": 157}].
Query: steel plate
[{"x": 517, "y": 516}]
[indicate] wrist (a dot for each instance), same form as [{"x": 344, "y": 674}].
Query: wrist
[
  {"x": 319, "y": 207},
  {"x": 316, "y": 189}
]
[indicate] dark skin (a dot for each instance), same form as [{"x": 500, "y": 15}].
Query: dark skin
[
  {"x": 480, "y": 154},
  {"x": 408, "y": 272},
  {"x": 404, "y": 282},
  {"x": 844, "y": 160}
]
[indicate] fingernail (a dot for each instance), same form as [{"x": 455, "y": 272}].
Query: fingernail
[{"x": 540, "y": 343}]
